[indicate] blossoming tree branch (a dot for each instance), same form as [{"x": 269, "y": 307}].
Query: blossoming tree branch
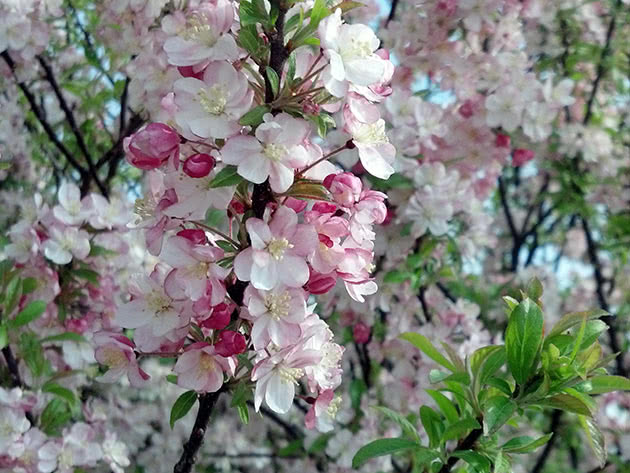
[{"x": 280, "y": 235}]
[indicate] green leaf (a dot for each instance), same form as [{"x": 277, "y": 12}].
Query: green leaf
[
  {"x": 273, "y": 79},
  {"x": 534, "y": 289},
  {"x": 55, "y": 415},
  {"x": 243, "y": 413},
  {"x": 65, "y": 337},
  {"x": 87, "y": 274},
  {"x": 60, "y": 391},
  {"x": 381, "y": 447},
  {"x": 4, "y": 336},
  {"x": 182, "y": 405},
  {"x": 498, "y": 410},
  {"x": 228, "y": 176},
  {"x": 31, "y": 312},
  {"x": 306, "y": 189},
  {"x": 572, "y": 319},
  {"x": 12, "y": 294},
  {"x": 525, "y": 444},
  {"x": 347, "y": 5},
  {"x": 445, "y": 405},
  {"x": 474, "y": 459},
  {"x": 29, "y": 285},
  {"x": 318, "y": 13},
  {"x": 407, "y": 427},
  {"x": 432, "y": 424},
  {"x": 502, "y": 464},
  {"x": 255, "y": 116},
  {"x": 421, "y": 342},
  {"x": 606, "y": 383},
  {"x": 98, "y": 250},
  {"x": 566, "y": 402},
  {"x": 595, "y": 439},
  {"x": 523, "y": 340},
  {"x": 456, "y": 430},
  {"x": 501, "y": 384}
]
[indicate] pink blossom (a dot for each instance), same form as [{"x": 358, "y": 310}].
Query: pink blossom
[
  {"x": 344, "y": 187},
  {"x": 201, "y": 368},
  {"x": 276, "y": 376},
  {"x": 152, "y": 146},
  {"x": 322, "y": 413},
  {"x": 278, "y": 252},
  {"x": 66, "y": 243},
  {"x": 204, "y": 36},
  {"x": 275, "y": 152},
  {"x": 361, "y": 333},
  {"x": 195, "y": 266},
  {"x": 276, "y": 315},
  {"x": 117, "y": 353},
  {"x": 70, "y": 210},
  {"x": 211, "y": 108}
]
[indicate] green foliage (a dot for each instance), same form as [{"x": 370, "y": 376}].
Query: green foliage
[
  {"x": 504, "y": 384},
  {"x": 182, "y": 405}
]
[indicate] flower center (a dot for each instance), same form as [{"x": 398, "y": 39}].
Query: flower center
[
  {"x": 274, "y": 152},
  {"x": 356, "y": 49},
  {"x": 213, "y": 100},
  {"x": 206, "y": 362},
  {"x": 198, "y": 271},
  {"x": 288, "y": 374},
  {"x": 278, "y": 305},
  {"x": 114, "y": 358},
  {"x": 157, "y": 302},
  {"x": 144, "y": 208},
  {"x": 277, "y": 246},
  {"x": 372, "y": 133},
  {"x": 333, "y": 407},
  {"x": 200, "y": 31}
]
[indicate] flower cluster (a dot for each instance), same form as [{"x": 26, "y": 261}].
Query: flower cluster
[{"x": 248, "y": 218}]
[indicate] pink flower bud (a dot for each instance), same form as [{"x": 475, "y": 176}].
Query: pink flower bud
[
  {"x": 237, "y": 207},
  {"x": 230, "y": 343},
  {"x": 467, "y": 109},
  {"x": 196, "y": 236},
  {"x": 320, "y": 283},
  {"x": 361, "y": 332},
  {"x": 219, "y": 318},
  {"x": 345, "y": 188},
  {"x": 152, "y": 146},
  {"x": 391, "y": 213},
  {"x": 199, "y": 165},
  {"x": 521, "y": 156},
  {"x": 502, "y": 141}
]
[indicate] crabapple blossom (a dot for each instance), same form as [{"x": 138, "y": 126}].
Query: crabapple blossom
[
  {"x": 275, "y": 152},
  {"x": 277, "y": 375},
  {"x": 117, "y": 353},
  {"x": 276, "y": 315},
  {"x": 70, "y": 210},
  {"x": 201, "y": 368},
  {"x": 321, "y": 415},
  {"x": 210, "y": 108},
  {"x": 351, "y": 51},
  {"x": 201, "y": 36},
  {"x": 278, "y": 252},
  {"x": 66, "y": 243}
]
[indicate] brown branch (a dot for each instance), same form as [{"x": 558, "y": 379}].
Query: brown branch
[
  {"x": 50, "y": 77},
  {"x": 465, "y": 444},
  {"x": 392, "y": 12},
  {"x": 600, "y": 282},
  {"x": 601, "y": 68},
  {"x": 544, "y": 456},
  {"x": 207, "y": 402},
  {"x": 39, "y": 114}
]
